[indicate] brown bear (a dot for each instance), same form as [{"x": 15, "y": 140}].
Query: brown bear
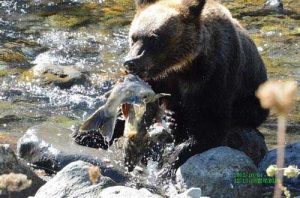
[{"x": 196, "y": 51}]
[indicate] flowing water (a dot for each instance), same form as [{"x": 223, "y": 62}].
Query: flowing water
[{"x": 91, "y": 36}]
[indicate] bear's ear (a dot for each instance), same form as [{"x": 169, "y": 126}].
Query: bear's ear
[
  {"x": 143, "y": 3},
  {"x": 193, "y": 8}
]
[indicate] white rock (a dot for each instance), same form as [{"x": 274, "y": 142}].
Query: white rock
[{"x": 126, "y": 192}]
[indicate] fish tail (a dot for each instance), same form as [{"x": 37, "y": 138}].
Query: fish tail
[{"x": 94, "y": 122}]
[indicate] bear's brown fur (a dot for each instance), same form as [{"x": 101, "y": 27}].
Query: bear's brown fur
[{"x": 196, "y": 51}]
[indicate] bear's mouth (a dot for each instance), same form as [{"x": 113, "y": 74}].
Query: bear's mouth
[{"x": 143, "y": 74}]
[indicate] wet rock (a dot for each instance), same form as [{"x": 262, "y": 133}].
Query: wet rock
[
  {"x": 8, "y": 118},
  {"x": 9, "y": 163},
  {"x": 74, "y": 181},
  {"x": 51, "y": 148},
  {"x": 122, "y": 191},
  {"x": 250, "y": 141},
  {"x": 29, "y": 48},
  {"x": 292, "y": 157},
  {"x": 13, "y": 58},
  {"x": 274, "y": 5},
  {"x": 65, "y": 21},
  {"x": 190, "y": 193},
  {"x": 61, "y": 76},
  {"x": 214, "y": 171}
]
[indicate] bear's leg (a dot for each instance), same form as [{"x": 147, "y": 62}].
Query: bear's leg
[{"x": 248, "y": 140}]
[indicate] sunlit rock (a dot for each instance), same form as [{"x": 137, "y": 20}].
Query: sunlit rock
[
  {"x": 61, "y": 76},
  {"x": 74, "y": 181}
]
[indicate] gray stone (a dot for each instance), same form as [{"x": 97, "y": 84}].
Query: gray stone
[
  {"x": 73, "y": 181},
  {"x": 126, "y": 192},
  {"x": 9, "y": 163},
  {"x": 292, "y": 157},
  {"x": 51, "y": 148},
  {"x": 214, "y": 171}
]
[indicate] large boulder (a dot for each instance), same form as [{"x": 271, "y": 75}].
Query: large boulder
[
  {"x": 73, "y": 181},
  {"x": 122, "y": 192},
  {"x": 292, "y": 157},
  {"x": 9, "y": 163},
  {"x": 215, "y": 171},
  {"x": 51, "y": 148}
]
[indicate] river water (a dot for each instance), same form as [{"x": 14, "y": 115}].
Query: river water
[{"x": 91, "y": 36}]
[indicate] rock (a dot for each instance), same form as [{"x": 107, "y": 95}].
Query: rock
[
  {"x": 74, "y": 181},
  {"x": 122, "y": 192},
  {"x": 292, "y": 157},
  {"x": 214, "y": 171},
  {"x": 274, "y": 5},
  {"x": 9, "y": 163},
  {"x": 190, "y": 193},
  {"x": 13, "y": 58},
  {"x": 65, "y": 21},
  {"x": 51, "y": 148},
  {"x": 250, "y": 141},
  {"x": 61, "y": 76},
  {"x": 29, "y": 48}
]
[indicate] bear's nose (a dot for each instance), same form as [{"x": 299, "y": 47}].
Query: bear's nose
[{"x": 129, "y": 65}]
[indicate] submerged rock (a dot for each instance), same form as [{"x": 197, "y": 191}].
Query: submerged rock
[
  {"x": 51, "y": 148},
  {"x": 215, "y": 170},
  {"x": 29, "y": 48},
  {"x": 13, "y": 58},
  {"x": 64, "y": 21},
  {"x": 61, "y": 76},
  {"x": 250, "y": 141},
  {"x": 74, "y": 181},
  {"x": 292, "y": 157},
  {"x": 9, "y": 163},
  {"x": 122, "y": 192}
]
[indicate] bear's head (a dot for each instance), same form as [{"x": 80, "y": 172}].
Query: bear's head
[{"x": 164, "y": 37}]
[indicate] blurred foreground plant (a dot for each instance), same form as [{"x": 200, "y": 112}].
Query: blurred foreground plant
[
  {"x": 279, "y": 97},
  {"x": 13, "y": 182}
]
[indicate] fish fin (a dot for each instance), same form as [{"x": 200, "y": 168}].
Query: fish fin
[
  {"x": 108, "y": 127},
  {"x": 100, "y": 121},
  {"x": 94, "y": 121}
]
